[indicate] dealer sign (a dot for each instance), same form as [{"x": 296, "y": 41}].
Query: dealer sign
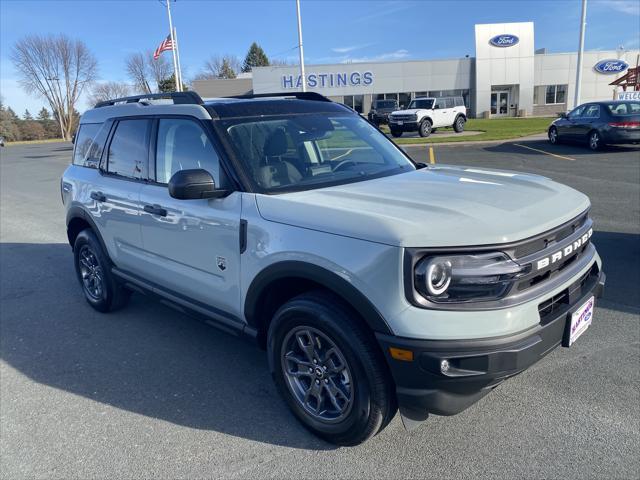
[
  {"x": 609, "y": 67},
  {"x": 504, "y": 40}
]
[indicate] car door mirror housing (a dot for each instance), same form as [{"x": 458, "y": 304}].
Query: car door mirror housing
[
  {"x": 194, "y": 184},
  {"x": 563, "y": 115}
]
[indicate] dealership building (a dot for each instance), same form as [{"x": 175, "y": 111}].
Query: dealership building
[{"x": 507, "y": 77}]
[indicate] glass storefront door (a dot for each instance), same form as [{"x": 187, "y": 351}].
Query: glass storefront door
[{"x": 500, "y": 103}]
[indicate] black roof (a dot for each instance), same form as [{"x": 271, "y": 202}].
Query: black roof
[{"x": 227, "y": 108}]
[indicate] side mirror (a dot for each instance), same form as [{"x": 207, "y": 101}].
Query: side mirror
[
  {"x": 436, "y": 107},
  {"x": 563, "y": 115},
  {"x": 194, "y": 184}
]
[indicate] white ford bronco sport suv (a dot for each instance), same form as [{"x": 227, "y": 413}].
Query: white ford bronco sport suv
[
  {"x": 373, "y": 282},
  {"x": 424, "y": 115}
]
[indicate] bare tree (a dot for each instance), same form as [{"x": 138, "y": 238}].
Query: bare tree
[
  {"x": 58, "y": 69},
  {"x": 279, "y": 62},
  {"x": 225, "y": 66},
  {"x": 146, "y": 72},
  {"x": 107, "y": 91}
]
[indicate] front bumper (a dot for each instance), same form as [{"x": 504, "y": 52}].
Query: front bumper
[
  {"x": 478, "y": 366},
  {"x": 406, "y": 126}
]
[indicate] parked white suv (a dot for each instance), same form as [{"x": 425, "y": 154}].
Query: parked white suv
[
  {"x": 374, "y": 283},
  {"x": 424, "y": 115}
]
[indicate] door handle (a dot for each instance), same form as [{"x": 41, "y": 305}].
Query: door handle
[
  {"x": 98, "y": 196},
  {"x": 155, "y": 210}
]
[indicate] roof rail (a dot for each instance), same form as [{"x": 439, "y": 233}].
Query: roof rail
[
  {"x": 178, "y": 98},
  {"x": 299, "y": 95}
]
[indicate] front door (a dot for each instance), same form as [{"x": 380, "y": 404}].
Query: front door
[
  {"x": 500, "y": 103},
  {"x": 192, "y": 246}
]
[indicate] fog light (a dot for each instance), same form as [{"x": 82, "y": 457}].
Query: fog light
[{"x": 444, "y": 366}]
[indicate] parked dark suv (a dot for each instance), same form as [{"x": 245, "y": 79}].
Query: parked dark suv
[
  {"x": 598, "y": 123},
  {"x": 380, "y": 111}
]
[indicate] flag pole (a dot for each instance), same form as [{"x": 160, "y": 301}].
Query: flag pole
[
  {"x": 301, "y": 50},
  {"x": 175, "y": 37},
  {"x": 173, "y": 50},
  {"x": 583, "y": 24}
]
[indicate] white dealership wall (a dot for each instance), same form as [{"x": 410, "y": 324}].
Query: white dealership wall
[{"x": 517, "y": 67}]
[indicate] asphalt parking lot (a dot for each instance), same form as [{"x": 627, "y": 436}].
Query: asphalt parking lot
[{"x": 148, "y": 392}]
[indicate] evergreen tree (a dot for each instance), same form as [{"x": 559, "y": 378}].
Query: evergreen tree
[
  {"x": 27, "y": 115},
  {"x": 255, "y": 58},
  {"x": 44, "y": 114},
  {"x": 226, "y": 70}
]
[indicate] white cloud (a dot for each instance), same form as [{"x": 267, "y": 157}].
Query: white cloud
[
  {"x": 351, "y": 48},
  {"x": 630, "y": 7},
  {"x": 397, "y": 55}
]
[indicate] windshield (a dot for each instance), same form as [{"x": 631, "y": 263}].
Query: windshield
[
  {"x": 421, "y": 103},
  {"x": 300, "y": 152},
  {"x": 385, "y": 104}
]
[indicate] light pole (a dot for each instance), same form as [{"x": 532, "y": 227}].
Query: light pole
[
  {"x": 301, "y": 49},
  {"x": 176, "y": 72},
  {"x": 583, "y": 25}
]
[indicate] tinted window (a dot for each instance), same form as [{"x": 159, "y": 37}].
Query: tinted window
[
  {"x": 448, "y": 102},
  {"x": 576, "y": 112},
  {"x": 89, "y": 144},
  {"x": 183, "y": 145},
  {"x": 421, "y": 103},
  {"x": 624, "y": 108},
  {"x": 128, "y": 150},
  {"x": 592, "y": 111}
]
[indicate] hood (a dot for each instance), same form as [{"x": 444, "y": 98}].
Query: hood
[
  {"x": 411, "y": 111},
  {"x": 432, "y": 207}
]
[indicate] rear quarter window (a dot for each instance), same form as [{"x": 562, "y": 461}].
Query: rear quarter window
[{"x": 89, "y": 144}]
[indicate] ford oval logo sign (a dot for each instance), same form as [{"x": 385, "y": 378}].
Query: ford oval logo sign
[
  {"x": 611, "y": 66},
  {"x": 504, "y": 41}
]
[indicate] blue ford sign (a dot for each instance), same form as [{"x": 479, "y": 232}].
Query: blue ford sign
[
  {"x": 504, "y": 40},
  {"x": 609, "y": 67}
]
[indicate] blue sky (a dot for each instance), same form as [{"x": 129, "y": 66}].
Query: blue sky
[{"x": 334, "y": 31}]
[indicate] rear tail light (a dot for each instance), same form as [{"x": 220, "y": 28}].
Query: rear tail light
[{"x": 625, "y": 124}]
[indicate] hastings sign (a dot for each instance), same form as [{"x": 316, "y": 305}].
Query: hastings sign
[
  {"x": 609, "y": 67},
  {"x": 504, "y": 40}
]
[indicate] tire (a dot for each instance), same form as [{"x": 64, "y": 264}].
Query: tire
[
  {"x": 425, "y": 128},
  {"x": 458, "y": 125},
  {"x": 363, "y": 389},
  {"x": 396, "y": 133},
  {"x": 554, "y": 138},
  {"x": 93, "y": 268},
  {"x": 594, "y": 140}
]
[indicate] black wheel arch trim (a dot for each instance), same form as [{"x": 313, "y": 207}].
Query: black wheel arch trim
[
  {"x": 319, "y": 275},
  {"x": 80, "y": 213}
]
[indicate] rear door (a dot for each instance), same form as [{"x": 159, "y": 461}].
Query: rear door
[
  {"x": 116, "y": 196},
  {"x": 191, "y": 246}
]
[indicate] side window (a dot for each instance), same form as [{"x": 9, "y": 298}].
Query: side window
[
  {"x": 128, "y": 152},
  {"x": 449, "y": 102},
  {"x": 89, "y": 144},
  {"x": 592, "y": 111},
  {"x": 183, "y": 145},
  {"x": 439, "y": 103},
  {"x": 576, "y": 112}
]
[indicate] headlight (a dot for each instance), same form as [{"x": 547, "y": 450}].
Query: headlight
[{"x": 465, "y": 278}]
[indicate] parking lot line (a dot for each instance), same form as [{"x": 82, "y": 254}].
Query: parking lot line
[
  {"x": 543, "y": 151},
  {"x": 432, "y": 158}
]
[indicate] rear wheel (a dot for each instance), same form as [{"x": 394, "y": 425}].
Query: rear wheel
[
  {"x": 396, "y": 133},
  {"x": 595, "y": 140},
  {"x": 329, "y": 370},
  {"x": 425, "y": 128},
  {"x": 100, "y": 288},
  {"x": 554, "y": 139},
  {"x": 458, "y": 125}
]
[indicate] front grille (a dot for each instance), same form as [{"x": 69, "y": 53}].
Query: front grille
[
  {"x": 556, "y": 235},
  {"x": 403, "y": 118},
  {"x": 561, "y": 302}
]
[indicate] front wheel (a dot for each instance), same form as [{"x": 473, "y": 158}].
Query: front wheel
[
  {"x": 425, "y": 128},
  {"x": 595, "y": 140},
  {"x": 458, "y": 125},
  {"x": 329, "y": 370},
  {"x": 554, "y": 139}
]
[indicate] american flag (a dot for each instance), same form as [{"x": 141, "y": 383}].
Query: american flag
[{"x": 166, "y": 44}]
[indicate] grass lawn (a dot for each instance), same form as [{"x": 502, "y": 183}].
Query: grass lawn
[
  {"x": 492, "y": 129},
  {"x": 34, "y": 142}
]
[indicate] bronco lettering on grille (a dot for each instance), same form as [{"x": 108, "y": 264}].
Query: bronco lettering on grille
[{"x": 567, "y": 251}]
